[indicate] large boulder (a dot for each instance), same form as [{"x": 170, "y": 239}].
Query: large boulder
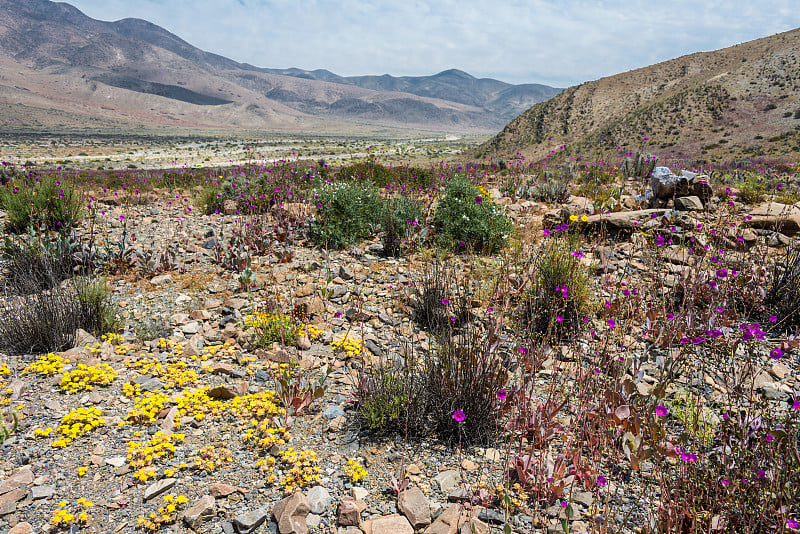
[
  {"x": 783, "y": 218},
  {"x": 666, "y": 185}
]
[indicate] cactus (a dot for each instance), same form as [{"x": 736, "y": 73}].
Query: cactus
[
  {"x": 5, "y": 431},
  {"x": 644, "y": 165}
]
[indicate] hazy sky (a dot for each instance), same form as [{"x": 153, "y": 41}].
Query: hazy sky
[{"x": 557, "y": 42}]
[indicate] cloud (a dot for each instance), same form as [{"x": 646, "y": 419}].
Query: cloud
[{"x": 539, "y": 41}]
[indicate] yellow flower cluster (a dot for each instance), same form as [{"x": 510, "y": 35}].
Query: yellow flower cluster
[
  {"x": 85, "y": 377},
  {"x": 261, "y": 405},
  {"x": 172, "y": 375},
  {"x": 146, "y": 407},
  {"x": 170, "y": 344},
  {"x": 210, "y": 457},
  {"x": 165, "y": 515},
  {"x": 97, "y": 348},
  {"x": 516, "y": 496},
  {"x": 310, "y": 331},
  {"x": 198, "y": 404},
  {"x": 355, "y": 470},
  {"x": 216, "y": 352},
  {"x": 5, "y": 391},
  {"x": 39, "y": 433},
  {"x": 113, "y": 338},
  {"x": 159, "y": 446},
  {"x": 46, "y": 365},
  {"x": 302, "y": 472},
  {"x": 64, "y": 516},
  {"x": 82, "y": 471},
  {"x": 131, "y": 390},
  {"x": 264, "y": 435},
  {"x": 350, "y": 345},
  {"x": 76, "y": 423}
]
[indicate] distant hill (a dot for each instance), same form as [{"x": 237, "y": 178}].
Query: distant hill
[
  {"x": 738, "y": 101},
  {"x": 60, "y": 69}
]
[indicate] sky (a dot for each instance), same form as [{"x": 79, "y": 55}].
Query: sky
[{"x": 555, "y": 42}]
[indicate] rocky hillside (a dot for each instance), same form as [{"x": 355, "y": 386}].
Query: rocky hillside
[
  {"x": 742, "y": 100},
  {"x": 60, "y": 69}
]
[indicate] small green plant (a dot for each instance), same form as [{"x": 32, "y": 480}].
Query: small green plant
[
  {"x": 269, "y": 328},
  {"x": 401, "y": 217},
  {"x": 383, "y": 394},
  {"x": 558, "y": 298},
  {"x": 8, "y": 425},
  {"x": 346, "y": 214},
  {"x": 211, "y": 200},
  {"x": 98, "y": 314},
  {"x": 296, "y": 390},
  {"x": 467, "y": 219},
  {"x": 48, "y": 203}
]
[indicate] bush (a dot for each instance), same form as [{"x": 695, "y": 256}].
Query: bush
[
  {"x": 269, "y": 328},
  {"x": 441, "y": 302},
  {"x": 558, "y": 298},
  {"x": 401, "y": 216},
  {"x": 422, "y": 398},
  {"x": 36, "y": 263},
  {"x": 467, "y": 219},
  {"x": 47, "y": 321},
  {"x": 45, "y": 204},
  {"x": 210, "y": 200},
  {"x": 548, "y": 189},
  {"x": 367, "y": 172},
  {"x": 346, "y": 214},
  {"x": 783, "y": 296}
]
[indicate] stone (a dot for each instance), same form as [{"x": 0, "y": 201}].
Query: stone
[
  {"x": 690, "y": 203},
  {"x": 783, "y": 218},
  {"x": 219, "y": 489},
  {"x": 83, "y": 338},
  {"x": 666, "y": 185},
  {"x": 469, "y": 465},
  {"x": 389, "y": 524},
  {"x": 319, "y": 499},
  {"x": 413, "y": 469},
  {"x": 42, "y": 492},
  {"x": 332, "y": 412},
  {"x": 474, "y": 526},
  {"x": 12, "y": 496},
  {"x": 313, "y": 521},
  {"x": 359, "y": 493},
  {"x": 447, "y": 522},
  {"x": 345, "y": 273},
  {"x": 229, "y": 391},
  {"x": 7, "y": 508},
  {"x": 247, "y": 522},
  {"x": 622, "y": 220},
  {"x": 201, "y": 511},
  {"x": 161, "y": 280},
  {"x": 291, "y": 512},
  {"x": 779, "y": 371},
  {"x": 21, "y": 528},
  {"x": 19, "y": 478},
  {"x": 414, "y": 505},
  {"x": 302, "y": 343},
  {"x": 305, "y": 290},
  {"x": 116, "y": 461},
  {"x": 229, "y": 207},
  {"x": 156, "y": 489},
  {"x": 448, "y": 480},
  {"x": 349, "y": 514}
]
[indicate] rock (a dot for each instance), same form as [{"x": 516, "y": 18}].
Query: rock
[
  {"x": 319, "y": 499},
  {"x": 777, "y": 239},
  {"x": 191, "y": 327},
  {"x": 332, "y": 412},
  {"x": 19, "y": 478},
  {"x": 337, "y": 424},
  {"x": 414, "y": 505},
  {"x": 116, "y": 461},
  {"x": 42, "y": 492},
  {"x": 783, "y": 218},
  {"x": 469, "y": 465},
  {"x": 161, "y": 280},
  {"x": 349, "y": 514},
  {"x": 690, "y": 203},
  {"x": 448, "y": 480},
  {"x": 229, "y": 391},
  {"x": 200, "y": 512},
  {"x": 358, "y": 493},
  {"x": 699, "y": 188},
  {"x": 305, "y": 290},
  {"x": 156, "y": 489},
  {"x": 229, "y": 207},
  {"x": 413, "y": 469},
  {"x": 666, "y": 185},
  {"x": 390, "y": 524},
  {"x": 447, "y": 522},
  {"x": 291, "y": 512},
  {"x": 8, "y": 507},
  {"x": 302, "y": 343},
  {"x": 345, "y": 273},
  {"x": 219, "y": 489},
  {"x": 13, "y": 496},
  {"x": 83, "y": 338},
  {"x": 313, "y": 521},
  {"x": 779, "y": 371},
  {"x": 247, "y": 522},
  {"x": 21, "y": 528},
  {"x": 474, "y": 526},
  {"x": 622, "y": 220},
  {"x": 210, "y": 244}
]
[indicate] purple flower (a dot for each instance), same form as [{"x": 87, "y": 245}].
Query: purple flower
[
  {"x": 502, "y": 394},
  {"x": 662, "y": 411},
  {"x": 611, "y": 323},
  {"x": 461, "y": 243},
  {"x": 722, "y": 273},
  {"x": 459, "y": 416},
  {"x": 601, "y": 481},
  {"x": 776, "y": 354},
  {"x": 446, "y": 301},
  {"x": 479, "y": 199},
  {"x": 546, "y": 232},
  {"x": 791, "y": 523},
  {"x": 796, "y": 405},
  {"x": 689, "y": 458}
]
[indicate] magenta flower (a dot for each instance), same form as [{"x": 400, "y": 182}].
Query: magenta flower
[
  {"x": 722, "y": 273},
  {"x": 479, "y": 199},
  {"x": 601, "y": 481},
  {"x": 559, "y": 318},
  {"x": 776, "y": 354},
  {"x": 445, "y": 301},
  {"x": 791, "y": 523},
  {"x": 459, "y": 416},
  {"x": 611, "y": 323},
  {"x": 689, "y": 458},
  {"x": 796, "y": 405},
  {"x": 502, "y": 394},
  {"x": 662, "y": 411}
]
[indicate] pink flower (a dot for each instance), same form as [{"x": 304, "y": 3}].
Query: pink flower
[
  {"x": 601, "y": 481},
  {"x": 662, "y": 411},
  {"x": 502, "y": 394},
  {"x": 611, "y": 323},
  {"x": 459, "y": 416}
]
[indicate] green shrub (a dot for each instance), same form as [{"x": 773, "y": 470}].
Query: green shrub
[
  {"x": 98, "y": 313},
  {"x": 367, "y": 172},
  {"x": 346, "y": 214},
  {"x": 36, "y": 262},
  {"x": 558, "y": 298},
  {"x": 210, "y": 200},
  {"x": 402, "y": 215},
  {"x": 383, "y": 397},
  {"x": 48, "y": 203},
  {"x": 548, "y": 189},
  {"x": 269, "y": 328},
  {"x": 467, "y": 219}
]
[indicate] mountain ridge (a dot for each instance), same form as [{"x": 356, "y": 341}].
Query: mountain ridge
[{"x": 134, "y": 73}]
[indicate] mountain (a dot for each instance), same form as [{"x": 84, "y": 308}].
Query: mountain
[
  {"x": 738, "y": 101},
  {"x": 62, "y": 70}
]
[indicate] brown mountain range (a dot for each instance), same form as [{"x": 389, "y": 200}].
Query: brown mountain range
[
  {"x": 739, "y": 101},
  {"x": 62, "y": 70}
]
